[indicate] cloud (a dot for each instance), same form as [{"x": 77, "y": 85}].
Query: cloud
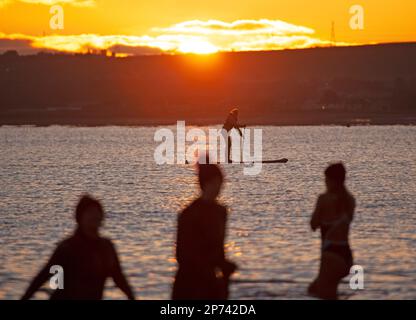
[
  {"x": 239, "y": 27},
  {"x": 75, "y": 3},
  {"x": 186, "y": 37},
  {"x": 247, "y": 35},
  {"x": 84, "y": 42}
]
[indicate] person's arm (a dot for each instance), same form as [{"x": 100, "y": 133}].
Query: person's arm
[
  {"x": 119, "y": 277},
  {"x": 353, "y": 204},
  {"x": 217, "y": 237},
  {"x": 37, "y": 282},
  {"x": 237, "y": 126},
  {"x": 232, "y": 122},
  {"x": 315, "y": 221},
  {"x": 227, "y": 267},
  {"x": 42, "y": 276}
]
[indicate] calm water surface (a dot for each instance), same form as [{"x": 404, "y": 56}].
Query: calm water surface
[{"x": 44, "y": 170}]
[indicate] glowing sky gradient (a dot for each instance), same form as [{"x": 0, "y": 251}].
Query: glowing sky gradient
[{"x": 183, "y": 26}]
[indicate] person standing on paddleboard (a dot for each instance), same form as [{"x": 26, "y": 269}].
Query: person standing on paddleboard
[{"x": 231, "y": 123}]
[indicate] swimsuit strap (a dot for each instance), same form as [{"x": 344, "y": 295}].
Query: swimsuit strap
[{"x": 326, "y": 243}]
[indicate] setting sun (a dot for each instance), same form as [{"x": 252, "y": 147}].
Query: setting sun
[{"x": 198, "y": 47}]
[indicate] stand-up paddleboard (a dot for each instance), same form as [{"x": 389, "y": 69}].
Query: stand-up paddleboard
[{"x": 283, "y": 160}]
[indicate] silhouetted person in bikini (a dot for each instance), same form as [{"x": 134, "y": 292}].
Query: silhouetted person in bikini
[
  {"x": 333, "y": 215},
  {"x": 203, "y": 269},
  {"x": 87, "y": 259},
  {"x": 231, "y": 123}
]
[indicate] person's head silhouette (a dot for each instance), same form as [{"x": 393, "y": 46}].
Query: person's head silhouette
[
  {"x": 89, "y": 215},
  {"x": 234, "y": 112},
  {"x": 335, "y": 176},
  {"x": 210, "y": 179}
]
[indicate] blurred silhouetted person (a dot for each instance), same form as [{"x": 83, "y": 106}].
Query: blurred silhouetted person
[
  {"x": 203, "y": 270},
  {"x": 87, "y": 259},
  {"x": 333, "y": 215},
  {"x": 231, "y": 123}
]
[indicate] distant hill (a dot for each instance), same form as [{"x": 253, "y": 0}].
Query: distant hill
[{"x": 375, "y": 84}]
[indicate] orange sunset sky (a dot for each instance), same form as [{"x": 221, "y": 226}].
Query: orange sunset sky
[{"x": 194, "y": 26}]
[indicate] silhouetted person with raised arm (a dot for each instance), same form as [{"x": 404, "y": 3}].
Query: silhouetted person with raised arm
[
  {"x": 231, "y": 123},
  {"x": 333, "y": 215},
  {"x": 203, "y": 269},
  {"x": 87, "y": 259}
]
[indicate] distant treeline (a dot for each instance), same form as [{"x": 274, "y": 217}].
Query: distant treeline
[{"x": 309, "y": 86}]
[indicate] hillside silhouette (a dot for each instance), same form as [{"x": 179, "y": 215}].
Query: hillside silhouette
[{"x": 370, "y": 84}]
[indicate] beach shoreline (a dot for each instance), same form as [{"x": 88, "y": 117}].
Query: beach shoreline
[{"x": 292, "y": 119}]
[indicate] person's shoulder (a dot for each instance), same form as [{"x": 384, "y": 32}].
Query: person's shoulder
[
  {"x": 350, "y": 197},
  {"x": 66, "y": 242},
  {"x": 106, "y": 242},
  {"x": 107, "y": 245},
  {"x": 189, "y": 208},
  {"x": 221, "y": 211},
  {"x": 327, "y": 199},
  {"x": 66, "y": 245},
  {"x": 222, "y": 208},
  {"x": 324, "y": 197}
]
